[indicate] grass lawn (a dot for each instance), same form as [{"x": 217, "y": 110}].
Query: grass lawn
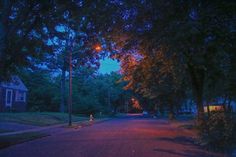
[
  {"x": 5, "y": 130},
  {"x": 6, "y": 141},
  {"x": 39, "y": 118}
]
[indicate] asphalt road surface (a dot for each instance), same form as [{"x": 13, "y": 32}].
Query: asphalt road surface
[{"x": 132, "y": 136}]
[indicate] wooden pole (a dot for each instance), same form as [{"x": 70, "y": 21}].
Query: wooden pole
[{"x": 70, "y": 89}]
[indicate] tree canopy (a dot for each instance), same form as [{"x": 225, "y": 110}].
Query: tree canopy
[{"x": 170, "y": 51}]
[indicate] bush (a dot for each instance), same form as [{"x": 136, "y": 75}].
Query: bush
[
  {"x": 34, "y": 109},
  {"x": 217, "y": 133}
]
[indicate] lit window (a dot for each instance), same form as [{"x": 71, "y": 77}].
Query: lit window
[{"x": 20, "y": 96}]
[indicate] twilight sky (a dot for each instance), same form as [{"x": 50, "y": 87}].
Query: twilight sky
[{"x": 108, "y": 65}]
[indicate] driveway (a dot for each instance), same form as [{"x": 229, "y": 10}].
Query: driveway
[{"x": 132, "y": 136}]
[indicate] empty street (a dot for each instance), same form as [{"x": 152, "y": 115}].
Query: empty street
[{"x": 131, "y": 136}]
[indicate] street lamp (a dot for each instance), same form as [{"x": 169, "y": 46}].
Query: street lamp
[{"x": 97, "y": 48}]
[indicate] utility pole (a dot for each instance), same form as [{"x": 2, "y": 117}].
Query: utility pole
[
  {"x": 70, "y": 89},
  {"x": 71, "y": 46},
  {"x": 109, "y": 98}
]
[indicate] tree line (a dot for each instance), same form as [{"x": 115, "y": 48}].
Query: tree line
[{"x": 93, "y": 93}]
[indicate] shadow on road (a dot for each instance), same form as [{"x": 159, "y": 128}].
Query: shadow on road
[
  {"x": 184, "y": 153},
  {"x": 179, "y": 140}
]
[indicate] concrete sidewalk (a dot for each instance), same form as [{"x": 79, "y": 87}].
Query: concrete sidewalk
[
  {"x": 32, "y": 130},
  {"x": 55, "y": 128}
]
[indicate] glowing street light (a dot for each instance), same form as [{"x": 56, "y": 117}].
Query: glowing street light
[{"x": 98, "y": 48}]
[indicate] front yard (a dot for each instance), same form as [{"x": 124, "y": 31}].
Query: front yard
[
  {"x": 32, "y": 122},
  {"x": 39, "y": 118}
]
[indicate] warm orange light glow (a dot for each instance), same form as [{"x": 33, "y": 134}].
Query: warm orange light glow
[
  {"x": 98, "y": 48},
  {"x": 135, "y": 104},
  {"x": 213, "y": 108}
]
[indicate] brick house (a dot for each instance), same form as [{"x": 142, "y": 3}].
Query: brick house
[{"x": 13, "y": 95}]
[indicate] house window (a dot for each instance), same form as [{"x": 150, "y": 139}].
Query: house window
[
  {"x": 20, "y": 96},
  {"x": 8, "y": 97}
]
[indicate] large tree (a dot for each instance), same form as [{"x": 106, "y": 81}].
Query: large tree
[
  {"x": 41, "y": 33},
  {"x": 26, "y": 28},
  {"x": 200, "y": 33}
]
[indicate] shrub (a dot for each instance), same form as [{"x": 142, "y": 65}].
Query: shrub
[{"x": 217, "y": 133}]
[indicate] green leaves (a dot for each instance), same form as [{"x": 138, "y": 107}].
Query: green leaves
[{"x": 98, "y": 93}]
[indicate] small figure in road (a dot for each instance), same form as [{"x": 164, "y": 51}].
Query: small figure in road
[{"x": 91, "y": 118}]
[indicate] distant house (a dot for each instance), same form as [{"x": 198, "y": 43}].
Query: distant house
[
  {"x": 214, "y": 107},
  {"x": 218, "y": 105},
  {"x": 13, "y": 95}
]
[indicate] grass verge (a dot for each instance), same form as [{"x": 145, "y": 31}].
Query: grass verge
[
  {"x": 5, "y": 130},
  {"x": 39, "y": 118},
  {"x": 9, "y": 140}
]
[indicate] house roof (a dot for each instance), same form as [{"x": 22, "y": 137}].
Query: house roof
[{"x": 15, "y": 83}]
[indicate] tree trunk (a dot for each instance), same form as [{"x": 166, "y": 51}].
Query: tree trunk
[
  {"x": 3, "y": 30},
  {"x": 171, "y": 111},
  {"x": 197, "y": 78},
  {"x": 200, "y": 109},
  {"x": 162, "y": 114},
  {"x": 63, "y": 87},
  {"x": 224, "y": 104},
  {"x": 208, "y": 110},
  {"x": 229, "y": 105},
  {"x": 109, "y": 99},
  {"x": 2, "y": 46}
]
